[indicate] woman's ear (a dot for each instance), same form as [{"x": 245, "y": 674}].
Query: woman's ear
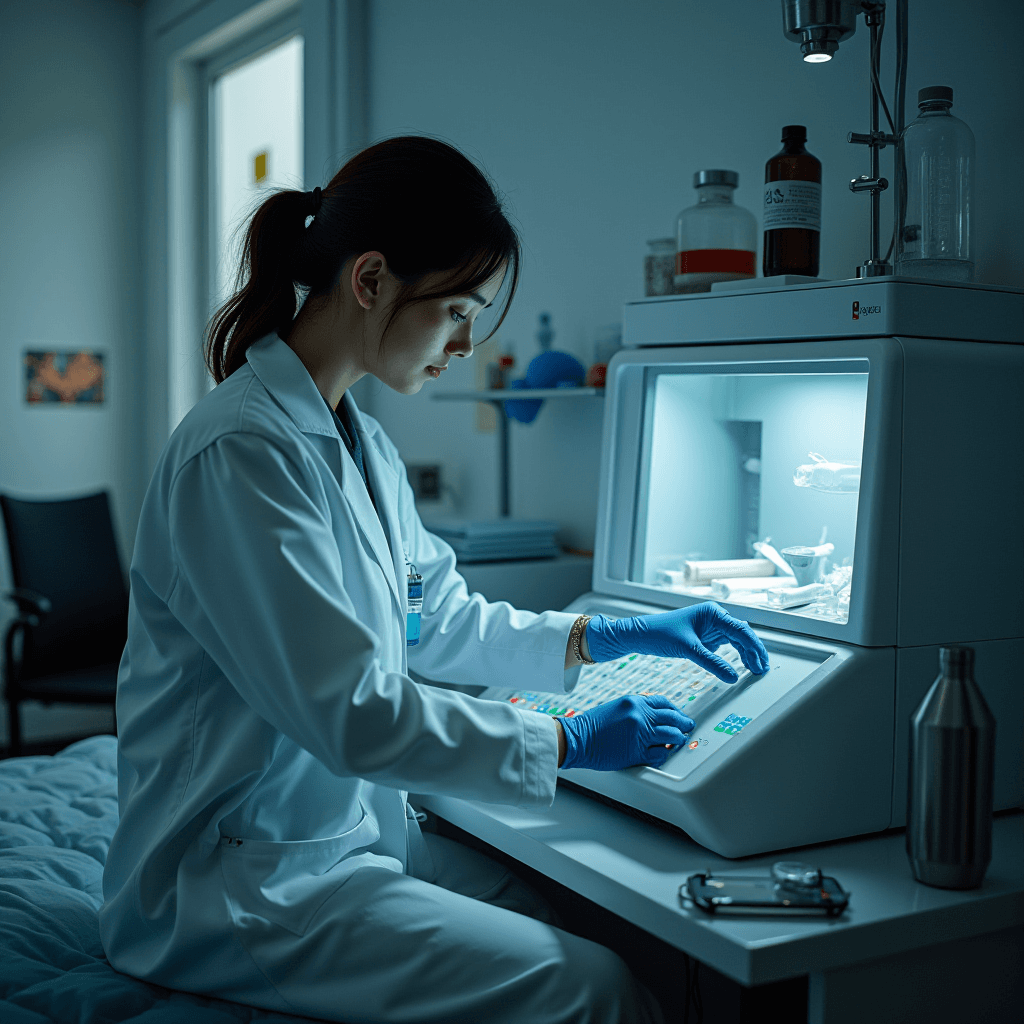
[{"x": 368, "y": 274}]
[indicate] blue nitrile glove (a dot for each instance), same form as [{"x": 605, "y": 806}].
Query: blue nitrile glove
[
  {"x": 695, "y": 633},
  {"x": 623, "y": 732}
]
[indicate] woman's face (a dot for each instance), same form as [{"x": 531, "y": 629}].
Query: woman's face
[{"x": 426, "y": 336}]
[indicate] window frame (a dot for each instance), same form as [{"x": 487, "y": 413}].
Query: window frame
[
  {"x": 183, "y": 41},
  {"x": 244, "y": 50}
]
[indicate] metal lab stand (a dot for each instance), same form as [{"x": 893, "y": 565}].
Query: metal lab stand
[{"x": 497, "y": 398}]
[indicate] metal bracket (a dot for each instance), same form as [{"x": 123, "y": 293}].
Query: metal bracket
[
  {"x": 865, "y": 183},
  {"x": 877, "y": 139}
]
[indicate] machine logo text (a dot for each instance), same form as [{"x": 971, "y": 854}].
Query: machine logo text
[{"x": 861, "y": 311}]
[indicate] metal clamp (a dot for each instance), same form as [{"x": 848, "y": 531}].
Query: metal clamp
[
  {"x": 865, "y": 183},
  {"x": 878, "y": 139}
]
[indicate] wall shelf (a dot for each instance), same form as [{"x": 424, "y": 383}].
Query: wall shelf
[
  {"x": 502, "y": 394},
  {"x": 497, "y": 397}
]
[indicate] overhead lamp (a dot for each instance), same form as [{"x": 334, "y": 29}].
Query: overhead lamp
[{"x": 819, "y": 26}]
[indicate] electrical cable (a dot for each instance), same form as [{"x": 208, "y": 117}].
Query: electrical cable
[
  {"x": 892, "y": 243},
  {"x": 876, "y": 85},
  {"x": 901, "y": 65},
  {"x": 874, "y": 61},
  {"x": 900, "y": 103}
]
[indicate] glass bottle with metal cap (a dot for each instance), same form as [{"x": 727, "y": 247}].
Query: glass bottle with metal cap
[
  {"x": 715, "y": 239},
  {"x": 792, "y": 208}
]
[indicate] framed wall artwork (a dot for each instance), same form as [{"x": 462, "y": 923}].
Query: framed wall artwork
[{"x": 68, "y": 377}]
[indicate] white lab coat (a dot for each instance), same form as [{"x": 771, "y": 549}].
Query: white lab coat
[{"x": 268, "y": 731}]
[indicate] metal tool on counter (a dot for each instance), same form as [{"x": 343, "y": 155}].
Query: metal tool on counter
[{"x": 791, "y": 888}]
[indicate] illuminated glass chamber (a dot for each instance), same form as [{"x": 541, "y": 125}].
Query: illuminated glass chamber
[{"x": 749, "y": 487}]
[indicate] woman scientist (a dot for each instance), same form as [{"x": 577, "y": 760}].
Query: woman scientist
[{"x": 268, "y": 728}]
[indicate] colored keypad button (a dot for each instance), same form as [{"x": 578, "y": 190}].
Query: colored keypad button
[{"x": 732, "y": 724}]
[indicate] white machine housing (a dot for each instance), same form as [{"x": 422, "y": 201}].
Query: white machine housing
[{"x": 939, "y": 552}]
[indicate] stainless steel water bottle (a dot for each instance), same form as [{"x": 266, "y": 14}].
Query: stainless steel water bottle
[{"x": 951, "y": 772}]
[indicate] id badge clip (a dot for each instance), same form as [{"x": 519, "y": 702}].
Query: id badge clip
[{"x": 414, "y": 607}]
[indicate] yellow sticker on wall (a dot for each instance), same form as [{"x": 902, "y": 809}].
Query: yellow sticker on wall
[{"x": 259, "y": 168}]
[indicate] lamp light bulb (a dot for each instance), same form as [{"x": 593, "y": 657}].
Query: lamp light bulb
[{"x": 817, "y": 58}]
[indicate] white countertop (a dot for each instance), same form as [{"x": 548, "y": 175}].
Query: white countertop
[{"x": 634, "y": 869}]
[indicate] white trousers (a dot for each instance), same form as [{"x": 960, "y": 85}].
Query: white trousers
[{"x": 460, "y": 940}]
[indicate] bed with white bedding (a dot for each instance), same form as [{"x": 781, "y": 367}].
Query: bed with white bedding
[{"x": 57, "y": 816}]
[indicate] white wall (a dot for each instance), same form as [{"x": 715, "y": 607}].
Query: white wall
[
  {"x": 592, "y": 115},
  {"x": 70, "y": 245}
]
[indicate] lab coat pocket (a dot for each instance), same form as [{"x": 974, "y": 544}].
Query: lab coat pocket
[{"x": 287, "y": 883}]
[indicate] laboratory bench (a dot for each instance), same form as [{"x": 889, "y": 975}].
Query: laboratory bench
[{"x": 902, "y": 951}]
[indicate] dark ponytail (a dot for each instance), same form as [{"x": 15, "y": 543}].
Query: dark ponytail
[{"x": 417, "y": 200}]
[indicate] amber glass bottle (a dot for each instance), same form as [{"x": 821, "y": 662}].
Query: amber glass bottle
[{"x": 792, "y": 208}]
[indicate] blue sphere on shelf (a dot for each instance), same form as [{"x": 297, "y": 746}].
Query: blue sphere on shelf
[
  {"x": 522, "y": 409},
  {"x": 548, "y": 370},
  {"x": 554, "y": 369}
]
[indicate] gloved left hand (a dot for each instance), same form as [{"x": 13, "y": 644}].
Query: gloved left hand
[
  {"x": 630, "y": 730},
  {"x": 695, "y": 633}
]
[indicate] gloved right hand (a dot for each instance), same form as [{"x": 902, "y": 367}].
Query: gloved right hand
[{"x": 624, "y": 732}]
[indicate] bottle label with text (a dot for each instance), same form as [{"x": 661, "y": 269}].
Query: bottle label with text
[{"x": 792, "y": 204}]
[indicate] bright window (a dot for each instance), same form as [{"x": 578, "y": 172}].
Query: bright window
[{"x": 256, "y": 144}]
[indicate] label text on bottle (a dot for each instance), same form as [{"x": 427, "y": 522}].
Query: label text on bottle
[{"x": 792, "y": 204}]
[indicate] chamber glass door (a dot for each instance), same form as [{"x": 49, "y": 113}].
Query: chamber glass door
[{"x": 749, "y": 486}]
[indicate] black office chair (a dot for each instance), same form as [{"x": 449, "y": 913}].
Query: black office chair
[{"x": 67, "y": 639}]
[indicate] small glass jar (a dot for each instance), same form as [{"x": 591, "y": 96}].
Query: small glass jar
[{"x": 659, "y": 266}]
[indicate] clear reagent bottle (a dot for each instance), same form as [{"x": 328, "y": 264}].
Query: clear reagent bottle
[
  {"x": 715, "y": 239},
  {"x": 937, "y": 158}
]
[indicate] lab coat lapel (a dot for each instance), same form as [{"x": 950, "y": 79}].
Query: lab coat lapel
[
  {"x": 370, "y": 523},
  {"x": 283, "y": 375},
  {"x": 384, "y": 483}
]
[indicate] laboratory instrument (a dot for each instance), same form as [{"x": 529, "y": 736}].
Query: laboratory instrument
[
  {"x": 713, "y": 406},
  {"x": 952, "y": 764},
  {"x": 792, "y": 208},
  {"x": 937, "y": 164},
  {"x": 716, "y": 240},
  {"x": 819, "y": 26},
  {"x": 791, "y": 889}
]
